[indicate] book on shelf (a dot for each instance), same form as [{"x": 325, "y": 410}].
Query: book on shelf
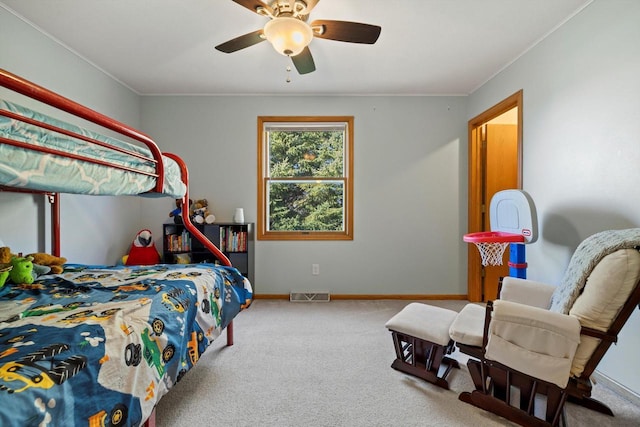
[
  {"x": 179, "y": 242},
  {"x": 233, "y": 239}
]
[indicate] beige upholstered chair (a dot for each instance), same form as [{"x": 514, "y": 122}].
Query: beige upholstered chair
[{"x": 541, "y": 343}]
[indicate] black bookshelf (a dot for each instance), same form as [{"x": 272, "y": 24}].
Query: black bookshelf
[{"x": 236, "y": 241}]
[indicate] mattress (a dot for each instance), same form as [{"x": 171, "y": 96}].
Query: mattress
[
  {"x": 102, "y": 345},
  {"x": 23, "y": 168}
]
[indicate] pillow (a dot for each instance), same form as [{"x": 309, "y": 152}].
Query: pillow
[
  {"x": 585, "y": 258},
  {"x": 608, "y": 287}
]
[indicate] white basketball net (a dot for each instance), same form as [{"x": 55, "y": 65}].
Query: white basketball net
[{"x": 491, "y": 253}]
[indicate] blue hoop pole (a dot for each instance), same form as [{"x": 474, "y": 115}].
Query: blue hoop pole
[{"x": 517, "y": 261}]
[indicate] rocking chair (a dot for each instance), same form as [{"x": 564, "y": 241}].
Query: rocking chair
[{"x": 542, "y": 342}]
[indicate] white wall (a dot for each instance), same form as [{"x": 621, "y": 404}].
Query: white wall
[
  {"x": 410, "y": 187},
  {"x": 94, "y": 229},
  {"x": 581, "y": 133}
]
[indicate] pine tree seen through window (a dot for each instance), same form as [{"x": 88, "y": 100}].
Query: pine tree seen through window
[{"x": 305, "y": 173}]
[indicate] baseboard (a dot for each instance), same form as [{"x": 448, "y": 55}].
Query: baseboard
[
  {"x": 412, "y": 297},
  {"x": 618, "y": 388}
]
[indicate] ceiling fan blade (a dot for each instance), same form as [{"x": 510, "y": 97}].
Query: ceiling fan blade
[
  {"x": 304, "y": 61},
  {"x": 241, "y": 42},
  {"x": 252, "y": 5},
  {"x": 344, "y": 31}
]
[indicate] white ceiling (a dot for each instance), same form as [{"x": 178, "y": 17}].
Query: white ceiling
[{"x": 432, "y": 47}]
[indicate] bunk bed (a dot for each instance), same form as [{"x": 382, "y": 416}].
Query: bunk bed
[{"x": 100, "y": 345}]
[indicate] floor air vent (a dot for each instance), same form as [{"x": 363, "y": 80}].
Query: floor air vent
[{"x": 309, "y": 297}]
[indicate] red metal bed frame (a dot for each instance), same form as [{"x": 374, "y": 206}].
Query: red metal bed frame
[
  {"x": 31, "y": 90},
  {"x": 39, "y": 93}
]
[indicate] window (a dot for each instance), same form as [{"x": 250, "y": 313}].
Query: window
[{"x": 305, "y": 173}]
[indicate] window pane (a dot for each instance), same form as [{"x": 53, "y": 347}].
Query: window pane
[
  {"x": 305, "y": 170},
  {"x": 308, "y": 206},
  {"x": 295, "y": 153}
]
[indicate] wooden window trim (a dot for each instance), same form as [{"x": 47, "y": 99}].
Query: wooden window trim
[{"x": 347, "y": 234}]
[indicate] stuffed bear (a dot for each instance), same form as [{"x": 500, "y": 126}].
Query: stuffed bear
[
  {"x": 53, "y": 262},
  {"x": 5, "y": 255},
  {"x": 200, "y": 212}
]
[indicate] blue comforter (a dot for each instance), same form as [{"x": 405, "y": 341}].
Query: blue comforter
[{"x": 100, "y": 346}]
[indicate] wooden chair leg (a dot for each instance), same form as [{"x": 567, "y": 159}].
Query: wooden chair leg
[
  {"x": 474, "y": 371},
  {"x": 423, "y": 359}
]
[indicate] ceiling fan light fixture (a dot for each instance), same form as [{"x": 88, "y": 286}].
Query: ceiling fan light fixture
[{"x": 288, "y": 36}]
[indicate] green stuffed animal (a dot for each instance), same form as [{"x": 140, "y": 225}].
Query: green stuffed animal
[
  {"x": 4, "y": 273},
  {"x": 22, "y": 271}
]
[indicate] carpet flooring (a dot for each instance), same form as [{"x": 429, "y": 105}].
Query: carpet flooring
[{"x": 328, "y": 364}]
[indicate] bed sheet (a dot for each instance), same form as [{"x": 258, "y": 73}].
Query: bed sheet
[
  {"x": 100, "y": 346},
  {"x": 39, "y": 171}
]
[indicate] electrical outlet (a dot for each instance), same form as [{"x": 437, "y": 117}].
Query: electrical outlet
[{"x": 315, "y": 269}]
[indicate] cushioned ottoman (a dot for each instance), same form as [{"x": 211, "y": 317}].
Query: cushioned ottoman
[
  {"x": 468, "y": 326},
  {"x": 421, "y": 338}
]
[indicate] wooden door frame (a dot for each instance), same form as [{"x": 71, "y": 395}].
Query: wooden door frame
[{"x": 476, "y": 166}]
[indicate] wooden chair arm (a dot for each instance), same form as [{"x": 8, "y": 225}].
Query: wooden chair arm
[{"x": 584, "y": 330}]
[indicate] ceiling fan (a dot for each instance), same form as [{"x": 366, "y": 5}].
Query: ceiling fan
[{"x": 290, "y": 34}]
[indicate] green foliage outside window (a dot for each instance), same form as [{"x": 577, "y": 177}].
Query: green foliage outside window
[{"x": 306, "y": 190}]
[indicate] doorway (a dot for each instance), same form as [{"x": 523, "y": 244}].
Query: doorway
[{"x": 495, "y": 164}]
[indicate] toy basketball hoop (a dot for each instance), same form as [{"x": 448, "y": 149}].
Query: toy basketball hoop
[
  {"x": 492, "y": 244},
  {"x": 512, "y": 215}
]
